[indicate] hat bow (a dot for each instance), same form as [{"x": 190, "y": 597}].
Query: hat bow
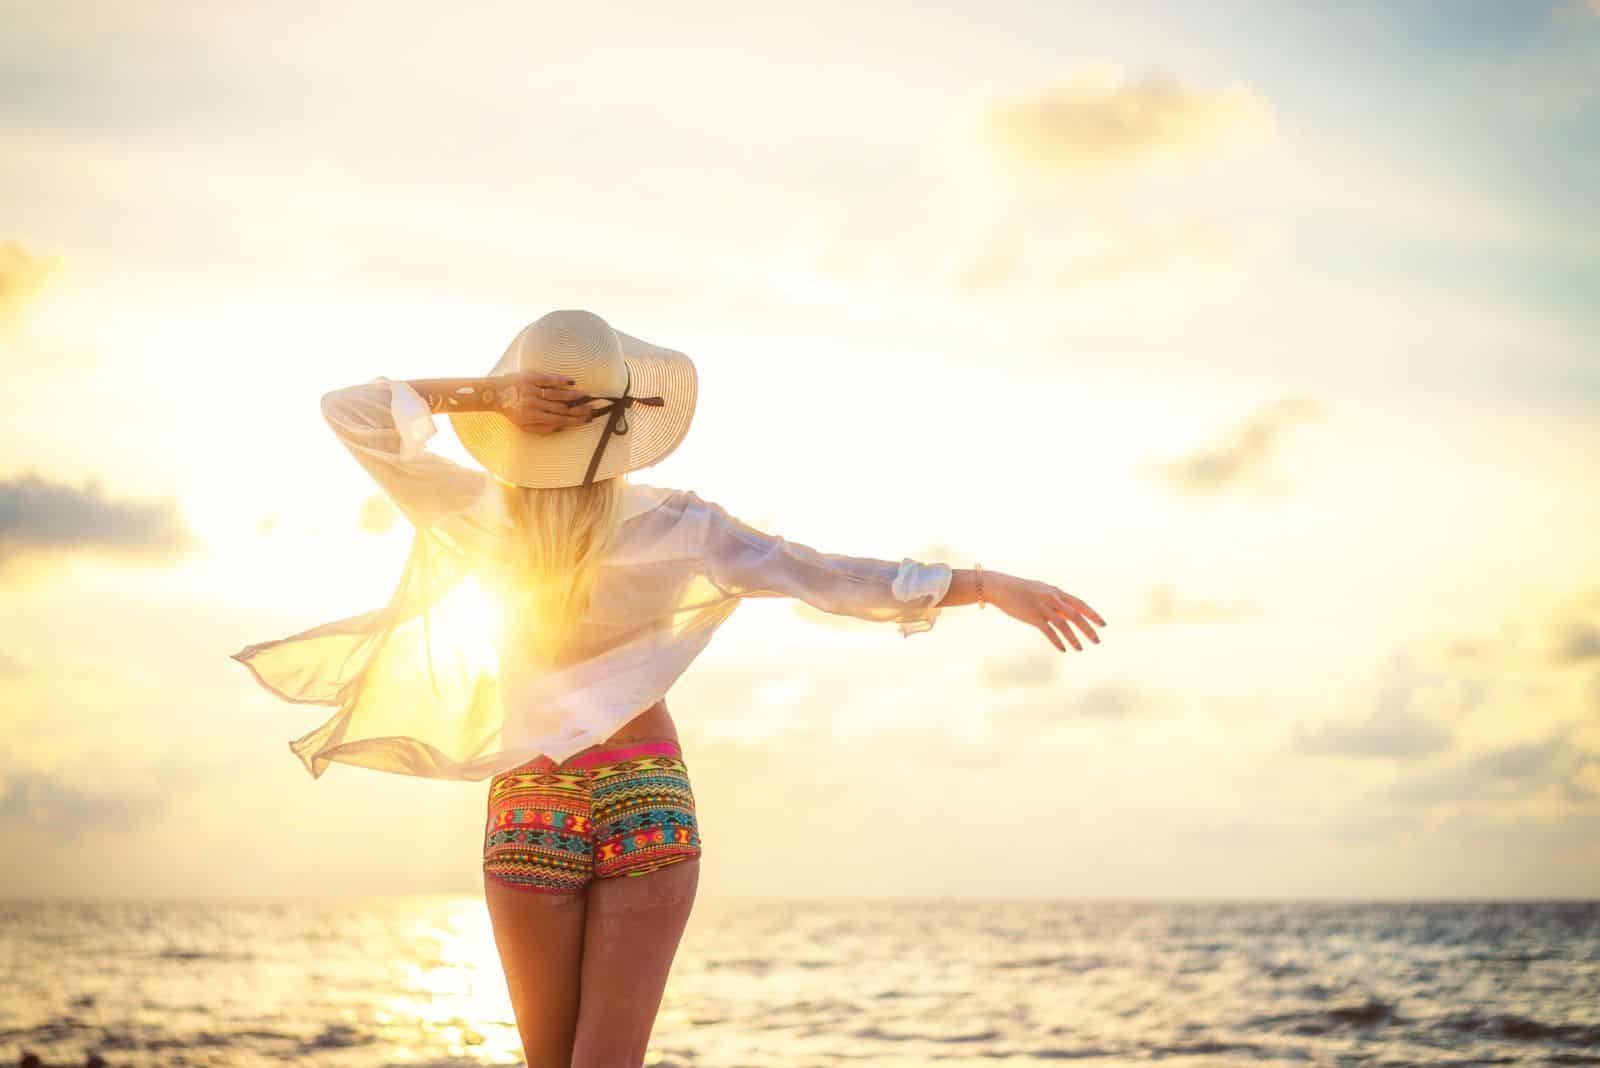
[{"x": 616, "y": 424}]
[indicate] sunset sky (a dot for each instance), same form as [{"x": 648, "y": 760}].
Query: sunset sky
[{"x": 1268, "y": 329}]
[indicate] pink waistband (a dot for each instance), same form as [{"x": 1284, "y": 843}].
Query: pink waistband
[{"x": 625, "y": 751}]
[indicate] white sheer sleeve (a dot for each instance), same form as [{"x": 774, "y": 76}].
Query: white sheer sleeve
[
  {"x": 386, "y": 425},
  {"x": 745, "y": 562}
]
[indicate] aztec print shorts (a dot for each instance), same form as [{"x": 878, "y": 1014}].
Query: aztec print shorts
[{"x": 625, "y": 810}]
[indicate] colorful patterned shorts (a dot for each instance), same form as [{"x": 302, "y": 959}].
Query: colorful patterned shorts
[{"x": 626, "y": 810}]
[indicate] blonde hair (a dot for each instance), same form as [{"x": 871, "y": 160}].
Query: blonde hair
[{"x": 562, "y": 534}]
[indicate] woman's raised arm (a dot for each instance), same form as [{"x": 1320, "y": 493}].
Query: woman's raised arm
[{"x": 386, "y": 424}]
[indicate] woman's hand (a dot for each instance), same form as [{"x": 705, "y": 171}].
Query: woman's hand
[
  {"x": 1041, "y": 605},
  {"x": 537, "y": 401}
]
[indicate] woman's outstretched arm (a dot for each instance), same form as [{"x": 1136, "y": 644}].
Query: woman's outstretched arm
[{"x": 743, "y": 561}]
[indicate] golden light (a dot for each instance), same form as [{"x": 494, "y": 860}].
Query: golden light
[
  {"x": 472, "y": 620},
  {"x": 456, "y": 996}
]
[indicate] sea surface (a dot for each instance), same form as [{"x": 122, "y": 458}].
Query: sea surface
[{"x": 779, "y": 984}]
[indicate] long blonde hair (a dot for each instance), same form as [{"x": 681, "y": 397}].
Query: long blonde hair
[{"x": 562, "y": 535}]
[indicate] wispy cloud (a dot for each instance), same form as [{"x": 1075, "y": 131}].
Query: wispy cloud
[
  {"x": 1575, "y": 630},
  {"x": 1162, "y": 603},
  {"x": 1402, "y": 734},
  {"x": 1029, "y": 669},
  {"x": 1520, "y": 770},
  {"x": 43, "y": 518},
  {"x": 1105, "y": 701},
  {"x": 68, "y": 808},
  {"x": 1243, "y": 454},
  {"x": 23, "y": 274},
  {"x": 1093, "y": 119},
  {"x": 1412, "y": 713},
  {"x": 1060, "y": 210}
]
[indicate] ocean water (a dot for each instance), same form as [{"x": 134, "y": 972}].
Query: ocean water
[{"x": 779, "y": 984}]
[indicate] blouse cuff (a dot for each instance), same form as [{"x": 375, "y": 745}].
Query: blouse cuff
[
  {"x": 413, "y": 419},
  {"x": 917, "y": 580}
]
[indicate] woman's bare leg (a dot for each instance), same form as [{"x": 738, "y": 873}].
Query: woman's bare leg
[
  {"x": 540, "y": 939},
  {"x": 632, "y": 933}
]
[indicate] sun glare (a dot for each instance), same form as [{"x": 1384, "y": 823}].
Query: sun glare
[{"x": 475, "y": 622}]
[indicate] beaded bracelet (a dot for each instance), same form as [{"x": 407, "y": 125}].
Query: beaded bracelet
[{"x": 979, "y": 569}]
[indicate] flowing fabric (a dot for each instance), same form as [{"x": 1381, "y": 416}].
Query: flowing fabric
[{"x": 426, "y": 685}]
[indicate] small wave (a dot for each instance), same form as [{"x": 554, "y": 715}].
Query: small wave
[
  {"x": 1205, "y": 1049},
  {"x": 174, "y": 953},
  {"x": 1283, "y": 969},
  {"x": 877, "y": 1033},
  {"x": 1523, "y": 1029},
  {"x": 1512, "y": 958},
  {"x": 1062, "y": 962},
  {"x": 339, "y": 1036},
  {"x": 754, "y": 964},
  {"x": 1371, "y": 1013},
  {"x": 56, "y": 1029}
]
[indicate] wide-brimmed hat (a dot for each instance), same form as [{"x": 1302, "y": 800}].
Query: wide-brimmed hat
[{"x": 651, "y": 389}]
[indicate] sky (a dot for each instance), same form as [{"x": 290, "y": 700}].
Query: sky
[{"x": 1268, "y": 329}]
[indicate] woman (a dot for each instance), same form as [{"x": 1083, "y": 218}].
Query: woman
[{"x": 546, "y": 606}]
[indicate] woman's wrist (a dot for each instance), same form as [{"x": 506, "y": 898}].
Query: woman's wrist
[
  {"x": 460, "y": 394},
  {"x": 964, "y": 586}
]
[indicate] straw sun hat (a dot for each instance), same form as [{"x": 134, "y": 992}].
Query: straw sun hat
[{"x": 651, "y": 389}]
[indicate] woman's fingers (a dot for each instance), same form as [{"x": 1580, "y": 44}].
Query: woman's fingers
[
  {"x": 544, "y": 378},
  {"x": 548, "y": 408},
  {"x": 1048, "y": 633},
  {"x": 1075, "y": 615},
  {"x": 1080, "y": 604},
  {"x": 1060, "y": 624}
]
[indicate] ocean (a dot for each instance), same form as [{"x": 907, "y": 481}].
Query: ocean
[{"x": 415, "y": 981}]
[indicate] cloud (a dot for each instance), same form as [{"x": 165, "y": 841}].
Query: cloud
[
  {"x": 1560, "y": 637},
  {"x": 1030, "y": 669},
  {"x": 1107, "y": 701},
  {"x": 1575, "y": 630},
  {"x": 1508, "y": 772},
  {"x": 67, "y": 809},
  {"x": 1243, "y": 454},
  {"x": 1093, "y": 119},
  {"x": 1162, "y": 604},
  {"x": 22, "y": 276},
  {"x": 1578, "y": 642},
  {"x": 38, "y": 517},
  {"x": 1405, "y": 735},
  {"x": 112, "y": 793},
  {"x": 1413, "y": 713},
  {"x": 1043, "y": 198}
]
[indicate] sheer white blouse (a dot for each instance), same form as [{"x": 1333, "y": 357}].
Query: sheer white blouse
[{"x": 426, "y": 686}]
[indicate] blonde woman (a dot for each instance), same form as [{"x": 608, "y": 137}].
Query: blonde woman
[{"x": 546, "y": 606}]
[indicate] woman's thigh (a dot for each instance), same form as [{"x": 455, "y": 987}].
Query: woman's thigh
[
  {"x": 537, "y": 862},
  {"x": 540, "y": 937},
  {"x": 632, "y": 930},
  {"x": 647, "y": 870}
]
